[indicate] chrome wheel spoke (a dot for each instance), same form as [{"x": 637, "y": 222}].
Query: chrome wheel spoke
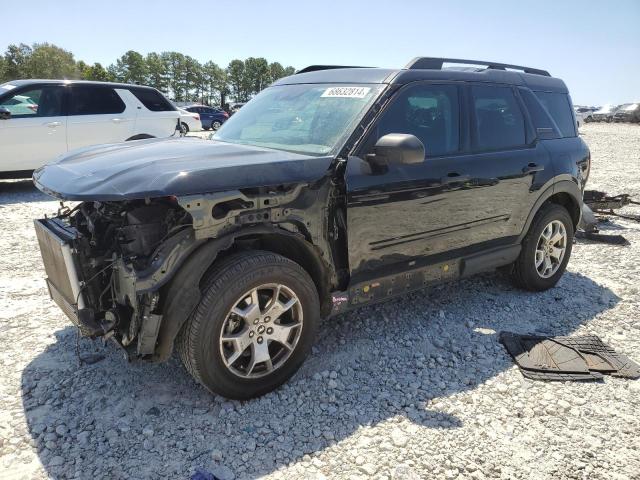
[
  {"x": 240, "y": 341},
  {"x": 556, "y": 253},
  {"x": 277, "y": 308},
  {"x": 260, "y": 355},
  {"x": 281, "y": 334}
]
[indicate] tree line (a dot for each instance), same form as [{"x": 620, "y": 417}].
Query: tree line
[{"x": 181, "y": 77}]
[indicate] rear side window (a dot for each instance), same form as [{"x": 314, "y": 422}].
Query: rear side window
[
  {"x": 541, "y": 118},
  {"x": 90, "y": 100},
  {"x": 152, "y": 99},
  {"x": 499, "y": 123},
  {"x": 559, "y": 107},
  {"x": 430, "y": 112}
]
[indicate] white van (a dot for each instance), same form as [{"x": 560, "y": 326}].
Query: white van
[{"x": 41, "y": 119}]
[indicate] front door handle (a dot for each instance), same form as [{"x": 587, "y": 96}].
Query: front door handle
[
  {"x": 116, "y": 120},
  {"x": 53, "y": 124},
  {"x": 532, "y": 168},
  {"x": 454, "y": 177}
]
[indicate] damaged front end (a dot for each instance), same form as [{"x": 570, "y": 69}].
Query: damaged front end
[{"x": 105, "y": 262}]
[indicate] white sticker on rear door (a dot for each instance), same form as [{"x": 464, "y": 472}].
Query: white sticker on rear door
[{"x": 346, "y": 92}]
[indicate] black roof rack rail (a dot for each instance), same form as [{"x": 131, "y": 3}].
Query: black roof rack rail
[
  {"x": 429, "y": 63},
  {"x": 315, "y": 68}
]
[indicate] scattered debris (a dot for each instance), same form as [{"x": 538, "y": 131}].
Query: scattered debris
[
  {"x": 603, "y": 204},
  {"x": 566, "y": 358},
  {"x": 599, "y": 237}
]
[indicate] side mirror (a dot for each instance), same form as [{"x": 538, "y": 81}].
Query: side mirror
[
  {"x": 5, "y": 114},
  {"x": 396, "y": 148}
]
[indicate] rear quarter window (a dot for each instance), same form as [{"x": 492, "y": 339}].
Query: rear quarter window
[
  {"x": 152, "y": 99},
  {"x": 559, "y": 107}
]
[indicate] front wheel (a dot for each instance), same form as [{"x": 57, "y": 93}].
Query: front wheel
[
  {"x": 254, "y": 326},
  {"x": 545, "y": 249}
]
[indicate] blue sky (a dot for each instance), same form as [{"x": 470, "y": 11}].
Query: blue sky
[{"x": 593, "y": 45}]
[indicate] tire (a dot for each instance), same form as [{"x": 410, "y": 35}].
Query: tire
[
  {"x": 526, "y": 274},
  {"x": 205, "y": 128},
  {"x": 215, "y": 125},
  {"x": 185, "y": 128},
  {"x": 225, "y": 287}
]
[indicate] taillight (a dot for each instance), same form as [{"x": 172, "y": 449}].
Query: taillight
[
  {"x": 197, "y": 117},
  {"x": 225, "y": 114}
]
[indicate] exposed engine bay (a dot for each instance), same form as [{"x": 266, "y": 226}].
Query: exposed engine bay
[
  {"x": 113, "y": 266},
  {"x": 112, "y": 244}
]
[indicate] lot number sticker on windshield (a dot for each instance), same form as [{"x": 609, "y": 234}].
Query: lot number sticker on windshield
[{"x": 346, "y": 92}]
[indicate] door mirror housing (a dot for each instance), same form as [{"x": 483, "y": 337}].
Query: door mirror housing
[
  {"x": 397, "y": 148},
  {"x": 5, "y": 114}
]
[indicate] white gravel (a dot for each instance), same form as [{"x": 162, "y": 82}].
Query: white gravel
[{"x": 415, "y": 388}]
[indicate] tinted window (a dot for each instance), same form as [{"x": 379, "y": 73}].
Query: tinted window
[
  {"x": 152, "y": 99},
  {"x": 499, "y": 123},
  {"x": 559, "y": 107},
  {"x": 430, "y": 112},
  {"x": 36, "y": 102},
  {"x": 539, "y": 115},
  {"x": 91, "y": 100}
]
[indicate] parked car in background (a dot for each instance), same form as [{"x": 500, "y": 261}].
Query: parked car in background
[
  {"x": 189, "y": 122},
  {"x": 21, "y": 105},
  {"x": 210, "y": 117},
  {"x": 41, "y": 119},
  {"x": 586, "y": 113},
  {"x": 333, "y": 189},
  {"x": 236, "y": 106},
  {"x": 605, "y": 114},
  {"x": 629, "y": 112}
]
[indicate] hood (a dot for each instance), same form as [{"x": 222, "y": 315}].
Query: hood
[{"x": 174, "y": 166}]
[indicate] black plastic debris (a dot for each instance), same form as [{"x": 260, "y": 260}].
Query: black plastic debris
[
  {"x": 602, "y": 238},
  {"x": 567, "y": 358}
]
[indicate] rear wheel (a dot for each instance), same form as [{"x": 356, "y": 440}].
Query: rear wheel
[
  {"x": 545, "y": 249},
  {"x": 185, "y": 128},
  {"x": 215, "y": 125},
  {"x": 254, "y": 326}
]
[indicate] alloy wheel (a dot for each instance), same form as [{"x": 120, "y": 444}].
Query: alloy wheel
[
  {"x": 261, "y": 331},
  {"x": 551, "y": 248}
]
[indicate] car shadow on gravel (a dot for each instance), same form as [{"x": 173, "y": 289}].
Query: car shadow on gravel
[
  {"x": 399, "y": 359},
  {"x": 20, "y": 191}
]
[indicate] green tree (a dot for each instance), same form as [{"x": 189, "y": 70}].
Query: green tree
[
  {"x": 49, "y": 61},
  {"x": 131, "y": 68},
  {"x": 236, "y": 79},
  {"x": 94, "y": 72},
  {"x": 257, "y": 74},
  {"x": 289, "y": 71},
  {"x": 16, "y": 61},
  {"x": 157, "y": 74}
]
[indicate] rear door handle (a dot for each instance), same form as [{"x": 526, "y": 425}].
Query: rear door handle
[
  {"x": 116, "y": 120},
  {"x": 454, "y": 177},
  {"x": 53, "y": 124},
  {"x": 532, "y": 168}
]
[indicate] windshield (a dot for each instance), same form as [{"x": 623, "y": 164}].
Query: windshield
[{"x": 311, "y": 119}]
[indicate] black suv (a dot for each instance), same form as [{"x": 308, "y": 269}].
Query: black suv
[{"x": 336, "y": 187}]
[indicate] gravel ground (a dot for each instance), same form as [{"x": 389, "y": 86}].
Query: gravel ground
[{"x": 415, "y": 388}]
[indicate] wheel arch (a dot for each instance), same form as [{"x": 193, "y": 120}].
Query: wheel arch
[
  {"x": 183, "y": 292},
  {"x": 565, "y": 193}
]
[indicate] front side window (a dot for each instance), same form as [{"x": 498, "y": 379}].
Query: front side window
[
  {"x": 559, "y": 107},
  {"x": 499, "y": 123},
  {"x": 89, "y": 100},
  {"x": 430, "y": 112},
  {"x": 314, "y": 119},
  {"x": 37, "y": 102}
]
